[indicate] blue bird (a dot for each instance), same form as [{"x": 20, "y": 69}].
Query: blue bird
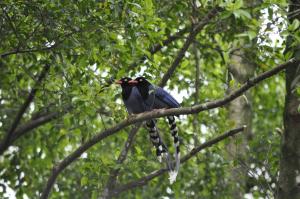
[
  {"x": 132, "y": 99},
  {"x": 134, "y": 104},
  {"x": 157, "y": 98}
]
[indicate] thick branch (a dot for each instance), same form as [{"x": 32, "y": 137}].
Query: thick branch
[
  {"x": 195, "y": 30},
  {"x": 155, "y": 114},
  {"x": 5, "y": 142},
  {"x": 144, "y": 180}
]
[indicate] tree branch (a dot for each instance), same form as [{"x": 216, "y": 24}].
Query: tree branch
[
  {"x": 31, "y": 50},
  {"x": 5, "y": 142},
  {"x": 34, "y": 123},
  {"x": 155, "y": 114},
  {"x": 144, "y": 180},
  {"x": 194, "y": 31}
]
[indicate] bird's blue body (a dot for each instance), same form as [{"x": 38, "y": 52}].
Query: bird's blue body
[
  {"x": 134, "y": 102},
  {"x": 163, "y": 99},
  {"x": 156, "y": 97}
]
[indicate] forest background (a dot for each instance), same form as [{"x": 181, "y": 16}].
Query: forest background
[{"x": 233, "y": 65}]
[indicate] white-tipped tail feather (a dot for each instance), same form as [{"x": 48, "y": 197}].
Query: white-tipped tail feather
[
  {"x": 156, "y": 140},
  {"x": 172, "y": 176},
  {"x": 161, "y": 149},
  {"x": 174, "y": 132}
]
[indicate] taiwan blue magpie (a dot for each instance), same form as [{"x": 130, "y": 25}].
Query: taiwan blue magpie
[
  {"x": 155, "y": 97},
  {"x": 135, "y": 104}
]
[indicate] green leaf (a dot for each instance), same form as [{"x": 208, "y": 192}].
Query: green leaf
[
  {"x": 295, "y": 25},
  {"x": 149, "y": 7},
  {"x": 94, "y": 194},
  {"x": 84, "y": 181},
  {"x": 225, "y": 14},
  {"x": 251, "y": 34},
  {"x": 242, "y": 14},
  {"x": 288, "y": 55},
  {"x": 232, "y": 83}
]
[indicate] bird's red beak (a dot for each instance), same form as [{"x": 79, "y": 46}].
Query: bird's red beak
[
  {"x": 118, "y": 82},
  {"x": 132, "y": 82}
]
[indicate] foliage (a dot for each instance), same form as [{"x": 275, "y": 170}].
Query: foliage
[{"x": 88, "y": 43}]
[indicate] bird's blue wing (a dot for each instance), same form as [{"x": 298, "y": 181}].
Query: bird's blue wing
[
  {"x": 166, "y": 98},
  {"x": 149, "y": 102}
]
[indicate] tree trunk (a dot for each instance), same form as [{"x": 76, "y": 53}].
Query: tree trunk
[
  {"x": 289, "y": 179},
  {"x": 289, "y": 175},
  {"x": 240, "y": 113}
]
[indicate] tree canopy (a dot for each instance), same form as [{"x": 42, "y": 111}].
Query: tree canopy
[{"x": 65, "y": 133}]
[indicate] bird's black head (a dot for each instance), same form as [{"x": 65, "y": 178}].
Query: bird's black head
[
  {"x": 126, "y": 86},
  {"x": 142, "y": 82},
  {"x": 124, "y": 82},
  {"x": 143, "y": 86}
]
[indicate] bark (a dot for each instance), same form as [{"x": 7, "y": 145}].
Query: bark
[
  {"x": 289, "y": 175},
  {"x": 240, "y": 113},
  {"x": 289, "y": 179}
]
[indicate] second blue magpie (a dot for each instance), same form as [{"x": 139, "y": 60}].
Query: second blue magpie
[{"x": 155, "y": 97}]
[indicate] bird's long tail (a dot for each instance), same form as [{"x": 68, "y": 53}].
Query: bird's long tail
[
  {"x": 174, "y": 133},
  {"x": 161, "y": 149}
]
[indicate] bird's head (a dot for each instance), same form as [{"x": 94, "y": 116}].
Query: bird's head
[
  {"x": 141, "y": 82},
  {"x": 125, "y": 81}
]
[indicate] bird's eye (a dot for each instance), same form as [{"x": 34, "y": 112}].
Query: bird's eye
[
  {"x": 141, "y": 80},
  {"x": 126, "y": 80}
]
